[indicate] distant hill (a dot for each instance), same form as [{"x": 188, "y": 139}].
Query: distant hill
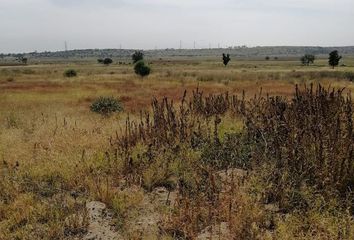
[{"x": 242, "y": 52}]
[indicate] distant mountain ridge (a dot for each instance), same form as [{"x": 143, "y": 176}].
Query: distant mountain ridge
[{"x": 278, "y": 51}]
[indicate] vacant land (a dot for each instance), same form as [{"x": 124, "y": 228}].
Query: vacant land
[{"x": 206, "y": 166}]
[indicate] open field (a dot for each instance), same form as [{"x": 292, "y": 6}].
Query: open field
[{"x": 57, "y": 155}]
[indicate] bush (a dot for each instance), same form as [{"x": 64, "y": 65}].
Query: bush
[
  {"x": 107, "y": 61},
  {"x": 137, "y": 56},
  {"x": 307, "y": 59},
  {"x": 70, "y": 73},
  {"x": 141, "y": 69},
  {"x": 106, "y": 106},
  {"x": 307, "y": 141}
]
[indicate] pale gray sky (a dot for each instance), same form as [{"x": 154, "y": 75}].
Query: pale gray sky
[{"x": 29, "y": 25}]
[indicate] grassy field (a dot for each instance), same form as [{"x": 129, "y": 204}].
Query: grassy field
[{"x": 57, "y": 155}]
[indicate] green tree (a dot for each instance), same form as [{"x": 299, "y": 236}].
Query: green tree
[
  {"x": 307, "y": 59},
  {"x": 226, "y": 58},
  {"x": 334, "y": 58},
  {"x": 107, "y": 61},
  {"x": 142, "y": 69},
  {"x": 22, "y": 60},
  {"x": 137, "y": 56}
]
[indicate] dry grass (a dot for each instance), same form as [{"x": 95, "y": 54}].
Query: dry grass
[{"x": 56, "y": 154}]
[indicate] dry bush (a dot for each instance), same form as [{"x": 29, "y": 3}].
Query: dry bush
[
  {"x": 297, "y": 150},
  {"x": 308, "y": 141}
]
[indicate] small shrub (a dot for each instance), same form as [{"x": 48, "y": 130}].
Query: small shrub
[
  {"x": 70, "y": 73},
  {"x": 12, "y": 121},
  {"x": 10, "y": 79},
  {"x": 142, "y": 69},
  {"x": 106, "y": 106},
  {"x": 107, "y": 61}
]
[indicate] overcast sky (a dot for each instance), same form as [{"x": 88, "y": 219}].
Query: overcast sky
[{"x": 29, "y": 25}]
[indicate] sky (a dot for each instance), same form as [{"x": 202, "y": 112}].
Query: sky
[{"x": 45, "y": 25}]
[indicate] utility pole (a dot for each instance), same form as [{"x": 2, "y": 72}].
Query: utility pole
[
  {"x": 194, "y": 45},
  {"x": 180, "y": 44},
  {"x": 66, "y": 46}
]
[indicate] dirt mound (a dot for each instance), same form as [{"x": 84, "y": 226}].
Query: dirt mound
[{"x": 100, "y": 227}]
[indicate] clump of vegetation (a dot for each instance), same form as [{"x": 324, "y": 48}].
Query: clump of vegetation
[
  {"x": 307, "y": 59},
  {"x": 137, "y": 56},
  {"x": 226, "y": 59},
  {"x": 267, "y": 58},
  {"x": 334, "y": 59},
  {"x": 106, "y": 106},
  {"x": 70, "y": 73},
  {"x": 142, "y": 69},
  {"x": 349, "y": 76},
  {"x": 288, "y": 157},
  {"x": 232, "y": 152},
  {"x": 12, "y": 121},
  {"x": 107, "y": 61},
  {"x": 22, "y": 60},
  {"x": 306, "y": 146},
  {"x": 10, "y": 79}
]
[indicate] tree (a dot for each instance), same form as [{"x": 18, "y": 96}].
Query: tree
[
  {"x": 100, "y": 60},
  {"x": 22, "y": 60},
  {"x": 226, "y": 58},
  {"x": 142, "y": 69},
  {"x": 307, "y": 59},
  {"x": 267, "y": 58},
  {"x": 107, "y": 61},
  {"x": 334, "y": 58},
  {"x": 137, "y": 56}
]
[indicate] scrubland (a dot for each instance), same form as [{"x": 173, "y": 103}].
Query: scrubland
[{"x": 254, "y": 150}]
